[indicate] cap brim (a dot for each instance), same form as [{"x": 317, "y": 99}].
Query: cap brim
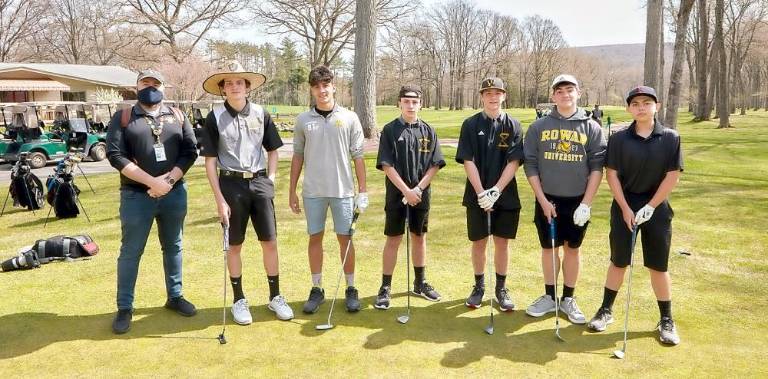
[
  {"x": 630, "y": 97},
  {"x": 211, "y": 85},
  {"x": 565, "y": 81},
  {"x": 487, "y": 88}
]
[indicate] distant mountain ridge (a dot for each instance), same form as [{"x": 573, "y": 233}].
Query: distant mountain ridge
[{"x": 631, "y": 54}]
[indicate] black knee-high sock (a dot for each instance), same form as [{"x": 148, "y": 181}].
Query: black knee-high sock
[
  {"x": 237, "y": 288},
  {"x": 549, "y": 289},
  {"x": 386, "y": 280},
  {"x": 665, "y": 308},
  {"x": 501, "y": 280},
  {"x": 609, "y": 296},
  {"x": 418, "y": 273},
  {"x": 480, "y": 280},
  {"x": 567, "y": 292},
  {"x": 274, "y": 286}
]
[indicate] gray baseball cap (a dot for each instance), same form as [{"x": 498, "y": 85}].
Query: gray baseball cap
[
  {"x": 564, "y": 78},
  {"x": 149, "y": 73}
]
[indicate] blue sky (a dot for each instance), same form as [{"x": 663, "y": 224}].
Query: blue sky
[{"x": 583, "y": 22}]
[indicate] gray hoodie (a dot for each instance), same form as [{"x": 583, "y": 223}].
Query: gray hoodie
[{"x": 562, "y": 152}]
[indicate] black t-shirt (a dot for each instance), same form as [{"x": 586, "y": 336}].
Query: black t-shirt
[
  {"x": 642, "y": 163},
  {"x": 322, "y": 112},
  {"x": 491, "y": 148},
  {"x": 411, "y": 150}
]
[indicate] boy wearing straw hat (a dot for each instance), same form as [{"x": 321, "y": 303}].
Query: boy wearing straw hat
[{"x": 241, "y": 144}]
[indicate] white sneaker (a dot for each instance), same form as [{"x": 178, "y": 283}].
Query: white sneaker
[
  {"x": 281, "y": 308},
  {"x": 571, "y": 309},
  {"x": 541, "y": 306},
  {"x": 241, "y": 313}
]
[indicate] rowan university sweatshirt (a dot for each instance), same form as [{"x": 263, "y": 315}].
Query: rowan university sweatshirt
[{"x": 563, "y": 151}]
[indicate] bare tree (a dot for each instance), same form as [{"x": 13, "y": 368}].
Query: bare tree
[
  {"x": 326, "y": 27},
  {"x": 364, "y": 79},
  {"x": 654, "y": 44},
  {"x": 19, "y": 22},
  {"x": 723, "y": 111},
  {"x": 676, "y": 77},
  {"x": 181, "y": 24},
  {"x": 702, "y": 53},
  {"x": 545, "y": 43}
]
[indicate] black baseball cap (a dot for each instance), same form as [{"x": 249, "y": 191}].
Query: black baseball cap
[
  {"x": 641, "y": 91},
  {"x": 149, "y": 73},
  {"x": 492, "y": 83},
  {"x": 413, "y": 92}
]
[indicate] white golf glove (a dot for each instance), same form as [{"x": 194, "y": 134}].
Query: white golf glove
[
  {"x": 644, "y": 214},
  {"x": 582, "y": 214},
  {"x": 361, "y": 201},
  {"x": 487, "y": 198},
  {"x": 418, "y": 191}
]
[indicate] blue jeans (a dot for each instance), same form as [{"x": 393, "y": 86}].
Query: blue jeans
[{"x": 137, "y": 212}]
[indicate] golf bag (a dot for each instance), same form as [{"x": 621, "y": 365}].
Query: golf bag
[
  {"x": 62, "y": 195},
  {"x": 57, "y": 248},
  {"x": 26, "y": 188}
]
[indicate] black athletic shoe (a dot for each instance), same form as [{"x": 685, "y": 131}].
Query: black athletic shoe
[
  {"x": 353, "y": 303},
  {"x": 316, "y": 297},
  {"x": 505, "y": 302},
  {"x": 475, "y": 299},
  {"x": 426, "y": 291},
  {"x": 383, "y": 298},
  {"x": 181, "y": 306},
  {"x": 122, "y": 321}
]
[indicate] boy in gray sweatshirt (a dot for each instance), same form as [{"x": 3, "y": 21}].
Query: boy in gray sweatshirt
[{"x": 564, "y": 155}]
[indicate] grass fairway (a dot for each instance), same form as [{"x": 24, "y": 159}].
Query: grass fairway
[{"x": 55, "y": 321}]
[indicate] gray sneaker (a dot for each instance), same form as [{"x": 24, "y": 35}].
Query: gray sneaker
[
  {"x": 571, "y": 309},
  {"x": 668, "y": 332},
  {"x": 602, "y": 319},
  {"x": 543, "y": 305},
  {"x": 505, "y": 302},
  {"x": 316, "y": 297}
]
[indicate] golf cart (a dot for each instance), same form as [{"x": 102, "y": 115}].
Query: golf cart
[
  {"x": 10, "y": 132},
  {"x": 82, "y": 132},
  {"x": 39, "y": 146}
]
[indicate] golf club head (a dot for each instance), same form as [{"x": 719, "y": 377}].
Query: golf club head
[
  {"x": 619, "y": 354},
  {"x": 324, "y": 327},
  {"x": 489, "y": 329},
  {"x": 222, "y": 339},
  {"x": 403, "y": 319},
  {"x": 557, "y": 333}
]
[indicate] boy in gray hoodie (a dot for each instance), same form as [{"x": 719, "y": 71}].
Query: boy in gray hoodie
[{"x": 564, "y": 155}]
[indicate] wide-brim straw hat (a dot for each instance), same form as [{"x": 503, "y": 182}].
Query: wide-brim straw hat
[{"x": 232, "y": 69}]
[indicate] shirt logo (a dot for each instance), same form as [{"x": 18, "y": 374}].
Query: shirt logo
[
  {"x": 339, "y": 124},
  {"x": 503, "y": 140},
  {"x": 481, "y": 133},
  {"x": 401, "y": 138},
  {"x": 424, "y": 145}
]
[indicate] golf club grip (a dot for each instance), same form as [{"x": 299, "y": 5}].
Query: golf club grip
[
  {"x": 354, "y": 222},
  {"x": 225, "y": 239},
  {"x": 552, "y": 229}
]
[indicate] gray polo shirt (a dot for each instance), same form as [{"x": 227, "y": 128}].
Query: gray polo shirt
[
  {"x": 328, "y": 144},
  {"x": 240, "y": 140}
]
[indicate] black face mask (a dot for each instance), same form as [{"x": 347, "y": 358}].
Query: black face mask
[{"x": 150, "y": 96}]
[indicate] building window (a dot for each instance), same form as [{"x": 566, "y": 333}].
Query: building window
[
  {"x": 73, "y": 96},
  {"x": 13, "y": 96}
]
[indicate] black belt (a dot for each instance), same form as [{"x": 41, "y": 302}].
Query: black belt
[{"x": 244, "y": 175}]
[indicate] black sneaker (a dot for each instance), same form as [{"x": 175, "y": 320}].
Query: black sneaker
[
  {"x": 316, "y": 297},
  {"x": 426, "y": 291},
  {"x": 181, "y": 306},
  {"x": 475, "y": 299},
  {"x": 353, "y": 303},
  {"x": 383, "y": 298},
  {"x": 122, "y": 321},
  {"x": 505, "y": 302}
]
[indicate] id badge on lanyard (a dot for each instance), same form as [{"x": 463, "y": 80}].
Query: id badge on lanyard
[
  {"x": 158, "y": 146},
  {"x": 159, "y": 152}
]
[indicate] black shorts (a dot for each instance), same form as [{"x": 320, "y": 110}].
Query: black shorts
[
  {"x": 655, "y": 234},
  {"x": 249, "y": 198},
  {"x": 503, "y": 223},
  {"x": 565, "y": 229},
  {"x": 394, "y": 224}
]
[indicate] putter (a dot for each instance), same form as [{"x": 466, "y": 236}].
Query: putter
[
  {"x": 621, "y": 353},
  {"x": 489, "y": 258},
  {"x": 552, "y": 229},
  {"x": 221, "y": 338},
  {"x": 404, "y": 318},
  {"x": 328, "y": 325}
]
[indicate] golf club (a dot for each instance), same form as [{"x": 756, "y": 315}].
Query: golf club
[
  {"x": 621, "y": 353},
  {"x": 552, "y": 228},
  {"x": 225, "y": 230},
  {"x": 489, "y": 258},
  {"x": 404, "y": 318},
  {"x": 341, "y": 271}
]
